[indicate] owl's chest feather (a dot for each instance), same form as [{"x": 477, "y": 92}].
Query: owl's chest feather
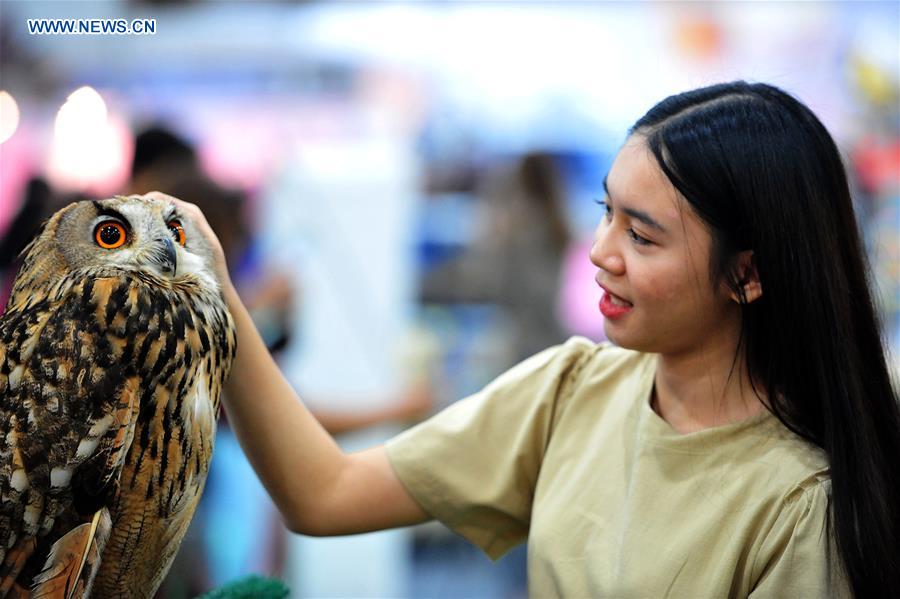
[
  {"x": 177, "y": 423},
  {"x": 166, "y": 466}
]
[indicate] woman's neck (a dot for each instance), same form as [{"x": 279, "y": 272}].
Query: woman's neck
[{"x": 703, "y": 389}]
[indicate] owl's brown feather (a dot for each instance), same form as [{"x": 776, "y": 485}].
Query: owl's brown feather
[
  {"x": 109, "y": 386},
  {"x": 74, "y": 560},
  {"x": 12, "y": 565}
]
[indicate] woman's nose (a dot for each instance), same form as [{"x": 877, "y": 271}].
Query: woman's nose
[{"x": 604, "y": 253}]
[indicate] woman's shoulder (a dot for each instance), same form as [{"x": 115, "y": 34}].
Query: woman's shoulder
[
  {"x": 589, "y": 376},
  {"x": 799, "y": 467},
  {"x": 593, "y": 358},
  {"x": 558, "y": 372},
  {"x": 605, "y": 364},
  {"x": 581, "y": 363}
]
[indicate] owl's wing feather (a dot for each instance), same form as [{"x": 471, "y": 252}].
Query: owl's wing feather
[
  {"x": 12, "y": 566},
  {"x": 68, "y": 407},
  {"x": 73, "y": 561}
]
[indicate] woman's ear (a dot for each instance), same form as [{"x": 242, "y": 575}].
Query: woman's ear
[{"x": 747, "y": 277}]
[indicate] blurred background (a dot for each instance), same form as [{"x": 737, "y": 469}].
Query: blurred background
[{"x": 404, "y": 191}]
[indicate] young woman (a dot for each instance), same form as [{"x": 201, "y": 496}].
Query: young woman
[{"x": 741, "y": 438}]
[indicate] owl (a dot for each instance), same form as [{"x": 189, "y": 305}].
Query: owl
[{"x": 114, "y": 347}]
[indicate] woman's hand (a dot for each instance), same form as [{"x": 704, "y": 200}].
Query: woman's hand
[{"x": 192, "y": 213}]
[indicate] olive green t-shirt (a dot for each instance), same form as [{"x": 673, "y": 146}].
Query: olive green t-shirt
[{"x": 565, "y": 450}]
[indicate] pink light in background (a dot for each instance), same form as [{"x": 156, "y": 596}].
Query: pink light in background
[
  {"x": 16, "y": 166},
  {"x": 244, "y": 143},
  {"x": 578, "y": 304}
]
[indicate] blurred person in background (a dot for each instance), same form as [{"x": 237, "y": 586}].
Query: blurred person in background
[{"x": 516, "y": 261}]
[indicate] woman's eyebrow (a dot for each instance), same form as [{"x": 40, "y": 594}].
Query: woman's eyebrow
[{"x": 637, "y": 214}]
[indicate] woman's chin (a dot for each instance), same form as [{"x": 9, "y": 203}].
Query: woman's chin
[{"x": 615, "y": 334}]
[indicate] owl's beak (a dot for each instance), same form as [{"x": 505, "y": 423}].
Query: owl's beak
[{"x": 168, "y": 259}]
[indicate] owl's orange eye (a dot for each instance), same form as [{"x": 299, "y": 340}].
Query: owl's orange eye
[
  {"x": 177, "y": 231},
  {"x": 110, "y": 234}
]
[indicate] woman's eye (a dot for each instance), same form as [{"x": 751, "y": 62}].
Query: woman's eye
[
  {"x": 177, "y": 231},
  {"x": 607, "y": 210},
  {"x": 110, "y": 234},
  {"x": 631, "y": 233},
  {"x": 637, "y": 238}
]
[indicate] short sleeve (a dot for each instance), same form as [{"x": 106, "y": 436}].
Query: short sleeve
[
  {"x": 794, "y": 558},
  {"x": 474, "y": 465}
]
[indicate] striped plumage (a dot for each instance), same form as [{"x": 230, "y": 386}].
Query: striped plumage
[{"x": 111, "y": 365}]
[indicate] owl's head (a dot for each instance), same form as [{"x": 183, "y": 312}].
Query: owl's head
[{"x": 128, "y": 233}]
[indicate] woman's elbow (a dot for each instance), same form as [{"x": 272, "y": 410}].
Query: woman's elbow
[
  {"x": 312, "y": 522},
  {"x": 300, "y": 525}
]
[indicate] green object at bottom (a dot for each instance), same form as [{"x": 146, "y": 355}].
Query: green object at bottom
[{"x": 251, "y": 587}]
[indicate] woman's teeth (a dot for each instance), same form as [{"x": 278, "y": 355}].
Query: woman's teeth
[{"x": 616, "y": 301}]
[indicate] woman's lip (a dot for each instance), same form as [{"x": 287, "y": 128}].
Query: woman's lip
[
  {"x": 612, "y": 310},
  {"x": 615, "y": 295}
]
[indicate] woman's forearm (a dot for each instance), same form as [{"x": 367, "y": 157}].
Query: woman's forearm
[
  {"x": 318, "y": 488},
  {"x": 295, "y": 458}
]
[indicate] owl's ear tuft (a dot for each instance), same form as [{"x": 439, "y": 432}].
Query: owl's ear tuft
[{"x": 33, "y": 239}]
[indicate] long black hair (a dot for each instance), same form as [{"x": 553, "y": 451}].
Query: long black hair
[{"x": 764, "y": 174}]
